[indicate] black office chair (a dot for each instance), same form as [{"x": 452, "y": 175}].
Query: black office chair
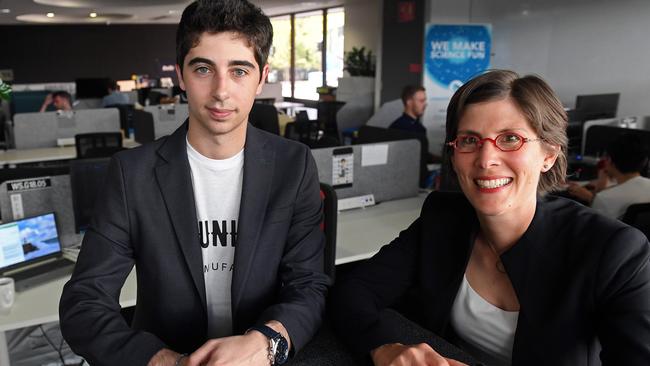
[
  {"x": 126, "y": 116},
  {"x": 264, "y": 117},
  {"x": 328, "y": 225},
  {"x": 98, "y": 144},
  {"x": 327, "y": 111},
  {"x": 638, "y": 215},
  {"x": 143, "y": 130}
]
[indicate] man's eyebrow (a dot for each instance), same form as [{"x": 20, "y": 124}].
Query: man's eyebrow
[
  {"x": 241, "y": 63},
  {"x": 200, "y": 60}
]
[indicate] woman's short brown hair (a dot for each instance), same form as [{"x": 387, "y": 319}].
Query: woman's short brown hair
[{"x": 537, "y": 102}]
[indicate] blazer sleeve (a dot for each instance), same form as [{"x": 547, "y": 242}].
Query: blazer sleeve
[
  {"x": 89, "y": 309},
  {"x": 623, "y": 298},
  {"x": 301, "y": 300},
  {"x": 359, "y": 299}
]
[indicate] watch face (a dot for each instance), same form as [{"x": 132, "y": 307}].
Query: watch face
[{"x": 281, "y": 351}]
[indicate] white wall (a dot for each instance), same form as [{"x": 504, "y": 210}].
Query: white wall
[{"x": 578, "y": 46}]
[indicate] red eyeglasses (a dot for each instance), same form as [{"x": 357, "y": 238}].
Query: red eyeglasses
[{"x": 508, "y": 141}]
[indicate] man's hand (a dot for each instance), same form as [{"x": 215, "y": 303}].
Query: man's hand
[
  {"x": 580, "y": 192},
  {"x": 46, "y": 102},
  {"x": 249, "y": 349},
  {"x": 165, "y": 357},
  {"x": 397, "y": 354}
]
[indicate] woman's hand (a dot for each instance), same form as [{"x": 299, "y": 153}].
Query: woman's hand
[{"x": 397, "y": 354}]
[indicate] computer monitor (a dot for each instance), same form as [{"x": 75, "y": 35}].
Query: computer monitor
[
  {"x": 126, "y": 85},
  {"x": 596, "y": 106},
  {"x": 88, "y": 88},
  {"x": 600, "y": 137},
  {"x": 28, "y": 240},
  {"x": 87, "y": 178}
]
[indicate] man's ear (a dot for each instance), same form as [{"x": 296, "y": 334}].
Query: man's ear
[
  {"x": 179, "y": 74},
  {"x": 265, "y": 73}
]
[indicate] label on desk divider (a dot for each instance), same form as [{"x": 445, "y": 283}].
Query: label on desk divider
[
  {"x": 342, "y": 167},
  {"x": 17, "y": 206},
  {"x": 28, "y": 184}
]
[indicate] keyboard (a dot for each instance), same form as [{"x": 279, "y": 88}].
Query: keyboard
[{"x": 46, "y": 272}]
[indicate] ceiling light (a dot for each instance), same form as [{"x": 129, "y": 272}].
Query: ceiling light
[
  {"x": 172, "y": 11},
  {"x": 93, "y": 15},
  {"x": 50, "y": 15},
  {"x": 5, "y": 11}
]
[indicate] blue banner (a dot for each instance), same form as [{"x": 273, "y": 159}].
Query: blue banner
[{"x": 453, "y": 54}]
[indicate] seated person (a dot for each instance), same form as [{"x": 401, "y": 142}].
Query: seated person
[
  {"x": 115, "y": 96},
  {"x": 626, "y": 158},
  {"x": 508, "y": 274},
  {"x": 61, "y": 101},
  {"x": 415, "y": 102},
  {"x": 414, "y": 99}
]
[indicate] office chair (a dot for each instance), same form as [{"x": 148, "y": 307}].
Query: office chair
[
  {"x": 98, "y": 144},
  {"x": 264, "y": 117},
  {"x": 638, "y": 216},
  {"x": 328, "y": 225},
  {"x": 126, "y": 116},
  {"x": 143, "y": 131},
  {"x": 327, "y": 111}
]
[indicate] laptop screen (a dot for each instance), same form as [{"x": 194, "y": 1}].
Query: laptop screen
[{"x": 28, "y": 240}]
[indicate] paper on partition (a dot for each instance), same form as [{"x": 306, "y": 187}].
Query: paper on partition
[{"x": 376, "y": 154}]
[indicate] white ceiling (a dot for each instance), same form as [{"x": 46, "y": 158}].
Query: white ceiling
[{"x": 126, "y": 11}]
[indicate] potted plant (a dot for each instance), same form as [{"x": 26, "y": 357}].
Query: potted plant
[
  {"x": 359, "y": 63},
  {"x": 5, "y": 91}
]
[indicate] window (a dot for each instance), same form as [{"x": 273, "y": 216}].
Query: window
[{"x": 307, "y": 51}]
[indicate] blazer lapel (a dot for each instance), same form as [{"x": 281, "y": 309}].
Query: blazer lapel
[
  {"x": 175, "y": 182},
  {"x": 258, "y": 175}
]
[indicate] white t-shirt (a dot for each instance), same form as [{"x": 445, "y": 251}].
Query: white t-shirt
[
  {"x": 615, "y": 200},
  {"x": 484, "y": 329},
  {"x": 217, "y": 192}
]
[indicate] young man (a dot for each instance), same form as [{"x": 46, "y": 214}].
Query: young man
[
  {"x": 114, "y": 96},
  {"x": 220, "y": 219},
  {"x": 61, "y": 101},
  {"x": 415, "y": 102},
  {"x": 627, "y": 158}
]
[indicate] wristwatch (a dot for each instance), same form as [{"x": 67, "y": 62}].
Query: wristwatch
[{"x": 278, "y": 346}]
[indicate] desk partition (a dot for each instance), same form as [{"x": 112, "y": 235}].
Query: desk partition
[
  {"x": 39, "y": 130},
  {"x": 388, "y": 170},
  {"x": 167, "y": 118}
]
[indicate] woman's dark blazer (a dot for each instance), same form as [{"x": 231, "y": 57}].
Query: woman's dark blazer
[{"x": 582, "y": 280}]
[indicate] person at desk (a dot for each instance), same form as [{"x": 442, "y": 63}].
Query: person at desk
[
  {"x": 61, "y": 101},
  {"x": 627, "y": 158},
  {"x": 414, "y": 99},
  {"x": 507, "y": 273},
  {"x": 114, "y": 96},
  {"x": 220, "y": 219}
]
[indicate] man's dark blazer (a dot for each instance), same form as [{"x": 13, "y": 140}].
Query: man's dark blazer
[
  {"x": 146, "y": 216},
  {"x": 582, "y": 280}
]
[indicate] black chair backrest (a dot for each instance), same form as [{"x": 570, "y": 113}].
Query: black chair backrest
[
  {"x": 98, "y": 144},
  {"x": 638, "y": 215},
  {"x": 327, "y": 111},
  {"x": 328, "y": 225},
  {"x": 126, "y": 115},
  {"x": 264, "y": 117},
  {"x": 143, "y": 127}
]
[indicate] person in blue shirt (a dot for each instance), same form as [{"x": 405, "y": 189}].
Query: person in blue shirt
[
  {"x": 115, "y": 96},
  {"x": 415, "y": 102}
]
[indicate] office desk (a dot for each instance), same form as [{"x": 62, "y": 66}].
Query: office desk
[
  {"x": 40, "y": 305},
  {"x": 362, "y": 231},
  {"x": 360, "y": 234},
  {"x": 13, "y": 156}
]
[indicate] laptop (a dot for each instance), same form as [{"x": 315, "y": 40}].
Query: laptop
[{"x": 30, "y": 251}]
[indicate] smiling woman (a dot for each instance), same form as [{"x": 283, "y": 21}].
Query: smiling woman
[{"x": 508, "y": 273}]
